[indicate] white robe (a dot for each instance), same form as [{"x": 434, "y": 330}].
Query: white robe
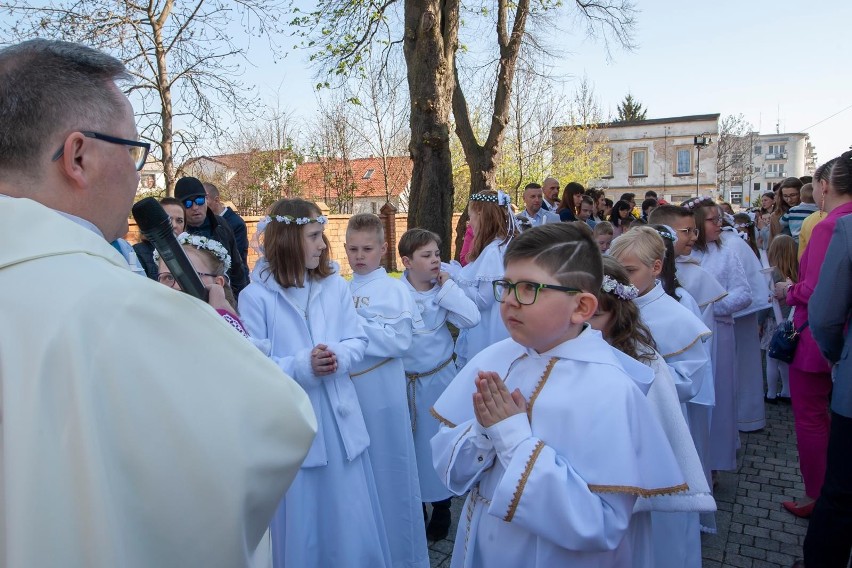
[
  {"x": 389, "y": 316},
  {"x": 138, "y": 429},
  {"x": 476, "y": 280},
  {"x": 675, "y": 527},
  {"x": 556, "y": 486},
  {"x": 431, "y": 347},
  {"x": 334, "y": 497},
  {"x": 679, "y": 336},
  {"x": 751, "y": 410},
  {"x": 725, "y": 265}
]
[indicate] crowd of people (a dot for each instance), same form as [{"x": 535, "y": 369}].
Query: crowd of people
[{"x": 580, "y": 373}]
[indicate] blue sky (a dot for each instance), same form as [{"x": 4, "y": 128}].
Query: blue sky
[{"x": 768, "y": 60}]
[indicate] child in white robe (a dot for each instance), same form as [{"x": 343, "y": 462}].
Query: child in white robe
[
  {"x": 705, "y": 290},
  {"x": 751, "y": 411},
  {"x": 725, "y": 265},
  {"x": 678, "y": 333},
  {"x": 428, "y": 363},
  {"x": 330, "y": 516},
  {"x": 674, "y": 518},
  {"x": 550, "y": 430},
  {"x": 389, "y": 316},
  {"x": 493, "y": 227}
]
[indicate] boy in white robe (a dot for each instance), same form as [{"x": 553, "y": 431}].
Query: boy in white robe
[
  {"x": 550, "y": 430},
  {"x": 428, "y": 363},
  {"x": 389, "y": 316}
]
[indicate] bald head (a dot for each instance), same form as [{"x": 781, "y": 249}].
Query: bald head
[{"x": 550, "y": 189}]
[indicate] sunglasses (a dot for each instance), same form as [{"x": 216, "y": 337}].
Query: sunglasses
[{"x": 200, "y": 200}]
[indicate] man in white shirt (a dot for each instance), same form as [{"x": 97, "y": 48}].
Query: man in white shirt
[
  {"x": 534, "y": 211},
  {"x": 138, "y": 428},
  {"x": 550, "y": 192}
]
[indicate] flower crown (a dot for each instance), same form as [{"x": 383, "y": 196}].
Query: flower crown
[
  {"x": 624, "y": 291},
  {"x": 203, "y": 243},
  {"x": 500, "y": 199},
  {"x": 288, "y": 219},
  {"x": 744, "y": 225},
  {"x": 667, "y": 235},
  {"x": 696, "y": 202}
]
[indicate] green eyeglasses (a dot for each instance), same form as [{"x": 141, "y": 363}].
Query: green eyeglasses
[
  {"x": 526, "y": 293},
  {"x": 138, "y": 150}
]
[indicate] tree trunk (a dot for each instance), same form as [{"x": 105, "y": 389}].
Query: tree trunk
[
  {"x": 164, "y": 88},
  {"x": 431, "y": 39}
]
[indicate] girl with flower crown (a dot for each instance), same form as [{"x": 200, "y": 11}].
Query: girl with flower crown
[
  {"x": 211, "y": 262},
  {"x": 330, "y": 516},
  {"x": 493, "y": 227},
  {"x": 675, "y": 528}
]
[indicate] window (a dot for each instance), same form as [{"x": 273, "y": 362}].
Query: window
[
  {"x": 756, "y": 187},
  {"x": 368, "y": 174},
  {"x": 373, "y": 206},
  {"x": 758, "y": 150},
  {"x": 775, "y": 168},
  {"x": 683, "y": 164},
  {"x": 638, "y": 162},
  {"x": 777, "y": 149}
]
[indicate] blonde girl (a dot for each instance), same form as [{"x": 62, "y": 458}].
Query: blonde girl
[
  {"x": 603, "y": 233},
  {"x": 783, "y": 258}
]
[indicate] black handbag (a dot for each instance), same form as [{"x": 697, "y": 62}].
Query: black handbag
[{"x": 784, "y": 341}]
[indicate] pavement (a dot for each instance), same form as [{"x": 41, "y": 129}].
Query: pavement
[{"x": 754, "y": 531}]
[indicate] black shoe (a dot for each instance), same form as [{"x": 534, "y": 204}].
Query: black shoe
[
  {"x": 784, "y": 399},
  {"x": 439, "y": 524},
  {"x": 773, "y": 400}
]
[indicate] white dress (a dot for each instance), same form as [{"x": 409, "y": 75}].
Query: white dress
[
  {"x": 675, "y": 526},
  {"x": 389, "y": 315},
  {"x": 331, "y": 515},
  {"x": 475, "y": 279},
  {"x": 679, "y": 336},
  {"x": 751, "y": 410},
  {"x": 725, "y": 265},
  {"x": 556, "y": 486},
  {"x": 431, "y": 349}
]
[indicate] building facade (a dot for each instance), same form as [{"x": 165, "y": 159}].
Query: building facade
[
  {"x": 657, "y": 154},
  {"x": 771, "y": 158}
]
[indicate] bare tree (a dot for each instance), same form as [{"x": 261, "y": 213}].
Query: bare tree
[
  {"x": 184, "y": 56},
  {"x": 333, "y": 146},
  {"x": 733, "y": 152},
  {"x": 430, "y": 41},
  {"x": 379, "y": 111}
]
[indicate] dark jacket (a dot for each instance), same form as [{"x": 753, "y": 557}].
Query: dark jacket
[
  {"x": 214, "y": 227},
  {"x": 240, "y": 234},
  {"x": 145, "y": 254}
]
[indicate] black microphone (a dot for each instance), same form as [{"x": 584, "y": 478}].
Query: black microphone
[{"x": 155, "y": 224}]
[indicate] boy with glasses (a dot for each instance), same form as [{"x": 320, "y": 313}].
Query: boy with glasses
[
  {"x": 546, "y": 489},
  {"x": 200, "y": 220}
]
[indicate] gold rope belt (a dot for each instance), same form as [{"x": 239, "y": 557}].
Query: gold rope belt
[
  {"x": 411, "y": 389},
  {"x": 367, "y": 370}
]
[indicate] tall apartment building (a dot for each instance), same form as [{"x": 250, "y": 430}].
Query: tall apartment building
[{"x": 770, "y": 159}]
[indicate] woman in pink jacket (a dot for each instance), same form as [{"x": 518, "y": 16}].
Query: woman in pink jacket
[{"x": 810, "y": 374}]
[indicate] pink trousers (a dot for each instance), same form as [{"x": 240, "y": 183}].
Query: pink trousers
[{"x": 809, "y": 394}]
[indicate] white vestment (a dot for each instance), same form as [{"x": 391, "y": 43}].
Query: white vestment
[
  {"x": 331, "y": 515},
  {"x": 138, "y": 428},
  {"x": 476, "y": 280},
  {"x": 751, "y": 411},
  {"x": 725, "y": 265},
  {"x": 675, "y": 526},
  {"x": 556, "y": 486},
  {"x": 389, "y": 316},
  {"x": 679, "y": 336},
  {"x": 432, "y": 348}
]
